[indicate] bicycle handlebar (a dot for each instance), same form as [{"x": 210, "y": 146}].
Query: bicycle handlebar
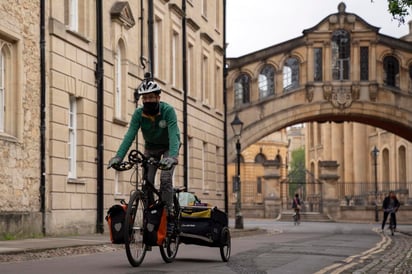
[{"x": 136, "y": 157}]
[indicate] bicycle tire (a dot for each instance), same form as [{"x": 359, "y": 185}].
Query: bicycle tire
[
  {"x": 225, "y": 248},
  {"x": 168, "y": 250},
  {"x": 134, "y": 224}
]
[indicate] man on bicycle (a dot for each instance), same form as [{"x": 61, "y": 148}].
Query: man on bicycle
[
  {"x": 296, "y": 205},
  {"x": 158, "y": 123},
  {"x": 390, "y": 206}
]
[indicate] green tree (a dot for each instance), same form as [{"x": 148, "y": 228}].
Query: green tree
[
  {"x": 399, "y": 9},
  {"x": 297, "y": 173}
]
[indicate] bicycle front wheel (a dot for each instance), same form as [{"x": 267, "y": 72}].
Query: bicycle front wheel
[
  {"x": 169, "y": 248},
  {"x": 133, "y": 238}
]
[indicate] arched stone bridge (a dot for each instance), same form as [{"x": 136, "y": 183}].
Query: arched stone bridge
[
  {"x": 371, "y": 104},
  {"x": 341, "y": 69}
]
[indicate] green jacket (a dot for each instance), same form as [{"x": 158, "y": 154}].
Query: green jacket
[{"x": 159, "y": 132}]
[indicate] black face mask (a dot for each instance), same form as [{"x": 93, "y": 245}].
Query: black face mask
[{"x": 151, "y": 108}]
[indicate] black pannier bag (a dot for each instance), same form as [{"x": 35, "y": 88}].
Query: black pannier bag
[
  {"x": 156, "y": 224},
  {"x": 202, "y": 223},
  {"x": 115, "y": 218}
]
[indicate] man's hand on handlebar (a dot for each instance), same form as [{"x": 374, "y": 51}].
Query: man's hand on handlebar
[
  {"x": 115, "y": 161},
  {"x": 167, "y": 162}
]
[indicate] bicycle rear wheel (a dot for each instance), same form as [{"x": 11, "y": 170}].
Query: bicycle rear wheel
[
  {"x": 225, "y": 244},
  {"x": 133, "y": 238}
]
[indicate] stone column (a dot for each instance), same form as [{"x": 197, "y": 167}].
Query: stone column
[
  {"x": 347, "y": 178},
  {"x": 360, "y": 158},
  {"x": 337, "y": 154},
  {"x": 272, "y": 188},
  {"x": 329, "y": 177}
]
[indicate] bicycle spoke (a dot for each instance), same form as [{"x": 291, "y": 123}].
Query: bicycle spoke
[{"x": 135, "y": 248}]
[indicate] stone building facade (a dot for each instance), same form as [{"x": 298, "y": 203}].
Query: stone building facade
[
  {"x": 342, "y": 74},
  {"x": 361, "y": 175},
  {"x": 71, "y": 160},
  {"x": 260, "y": 163},
  {"x": 19, "y": 117}
]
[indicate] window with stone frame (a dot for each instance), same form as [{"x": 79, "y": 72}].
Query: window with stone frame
[
  {"x": 120, "y": 79},
  {"x": 242, "y": 90},
  {"x": 318, "y": 64},
  {"x": 259, "y": 185},
  {"x": 175, "y": 60},
  {"x": 391, "y": 71},
  {"x": 205, "y": 79},
  {"x": 364, "y": 63},
  {"x": 203, "y": 6},
  {"x": 76, "y": 15},
  {"x": 266, "y": 81},
  {"x": 260, "y": 158},
  {"x": 290, "y": 74},
  {"x": 10, "y": 105},
  {"x": 158, "y": 48},
  {"x": 190, "y": 76},
  {"x": 340, "y": 55},
  {"x": 72, "y": 140}
]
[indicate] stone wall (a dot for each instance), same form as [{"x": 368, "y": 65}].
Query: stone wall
[{"x": 20, "y": 141}]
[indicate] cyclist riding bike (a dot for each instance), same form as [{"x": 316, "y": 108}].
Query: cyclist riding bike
[
  {"x": 390, "y": 205},
  {"x": 161, "y": 134},
  {"x": 296, "y": 205}
]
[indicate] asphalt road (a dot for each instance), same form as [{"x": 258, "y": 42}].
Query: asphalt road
[{"x": 308, "y": 248}]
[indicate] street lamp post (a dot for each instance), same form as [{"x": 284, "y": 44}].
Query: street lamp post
[
  {"x": 237, "y": 126},
  {"x": 375, "y": 153}
]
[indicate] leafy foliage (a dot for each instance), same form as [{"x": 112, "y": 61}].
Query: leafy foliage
[
  {"x": 399, "y": 9},
  {"x": 297, "y": 173}
]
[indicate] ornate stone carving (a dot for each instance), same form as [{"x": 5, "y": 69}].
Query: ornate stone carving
[
  {"x": 327, "y": 91},
  {"x": 355, "y": 91},
  {"x": 309, "y": 92},
  {"x": 341, "y": 97},
  {"x": 122, "y": 13},
  {"x": 373, "y": 91}
]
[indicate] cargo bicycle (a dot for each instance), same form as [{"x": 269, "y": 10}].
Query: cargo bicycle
[
  {"x": 145, "y": 201},
  {"x": 197, "y": 224}
]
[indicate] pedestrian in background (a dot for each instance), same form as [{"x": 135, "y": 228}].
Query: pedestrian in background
[
  {"x": 296, "y": 205},
  {"x": 390, "y": 205}
]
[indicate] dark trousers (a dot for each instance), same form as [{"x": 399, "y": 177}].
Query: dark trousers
[{"x": 385, "y": 217}]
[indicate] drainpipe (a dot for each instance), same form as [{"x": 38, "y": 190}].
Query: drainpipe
[
  {"x": 184, "y": 72},
  {"x": 142, "y": 59},
  {"x": 99, "y": 85},
  {"x": 42, "y": 187},
  {"x": 150, "y": 36},
  {"x": 225, "y": 109}
]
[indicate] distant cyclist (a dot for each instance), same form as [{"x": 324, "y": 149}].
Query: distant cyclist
[
  {"x": 296, "y": 205},
  {"x": 158, "y": 123},
  {"x": 390, "y": 206}
]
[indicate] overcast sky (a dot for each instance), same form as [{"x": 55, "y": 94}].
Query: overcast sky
[{"x": 256, "y": 24}]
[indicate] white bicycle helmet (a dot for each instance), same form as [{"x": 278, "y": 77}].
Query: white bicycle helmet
[{"x": 148, "y": 86}]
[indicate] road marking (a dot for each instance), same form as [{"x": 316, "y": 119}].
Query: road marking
[{"x": 349, "y": 262}]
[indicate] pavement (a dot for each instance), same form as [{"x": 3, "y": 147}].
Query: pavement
[
  {"x": 389, "y": 254},
  {"x": 12, "y": 247}
]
